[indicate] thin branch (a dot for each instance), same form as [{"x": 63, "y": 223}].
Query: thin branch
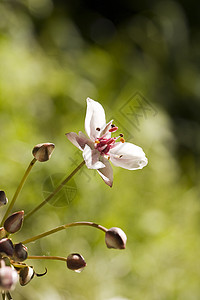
[
  {"x": 18, "y": 190},
  {"x": 9, "y": 296},
  {"x": 59, "y": 228},
  {"x": 55, "y": 191},
  {"x": 47, "y": 257}
]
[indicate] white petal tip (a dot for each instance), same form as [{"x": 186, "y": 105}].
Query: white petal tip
[
  {"x": 108, "y": 182},
  {"x": 89, "y": 99},
  {"x": 143, "y": 163}
]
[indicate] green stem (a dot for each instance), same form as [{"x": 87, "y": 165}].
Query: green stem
[
  {"x": 55, "y": 191},
  {"x": 37, "y": 237},
  {"x": 18, "y": 189},
  {"x": 47, "y": 257},
  {"x": 18, "y": 265},
  {"x": 3, "y": 296}
]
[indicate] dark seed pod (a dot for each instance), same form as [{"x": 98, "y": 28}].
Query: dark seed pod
[
  {"x": 43, "y": 152},
  {"x": 76, "y": 262},
  {"x": 25, "y": 275},
  {"x": 6, "y": 247},
  {"x": 14, "y": 222},
  {"x": 20, "y": 252},
  {"x": 115, "y": 238},
  {"x": 3, "y": 199}
]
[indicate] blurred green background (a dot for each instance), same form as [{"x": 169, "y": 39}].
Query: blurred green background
[{"x": 140, "y": 60}]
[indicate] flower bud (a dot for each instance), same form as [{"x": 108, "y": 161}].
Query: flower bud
[
  {"x": 8, "y": 278},
  {"x": 6, "y": 247},
  {"x": 25, "y": 275},
  {"x": 115, "y": 238},
  {"x": 3, "y": 199},
  {"x": 20, "y": 252},
  {"x": 76, "y": 262},
  {"x": 2, "y": 233},
  {"x": 42, "y": 152},
  {"x": 14, "y": 222}
]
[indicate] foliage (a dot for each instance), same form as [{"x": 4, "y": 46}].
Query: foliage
[{"x": 49, "y": 65}]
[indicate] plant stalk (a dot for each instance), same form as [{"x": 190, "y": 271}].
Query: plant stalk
[
  {"x": 59, "y": 228},
  {"x": 55, "y": 191},
  {"x": 9, "y": 296},
  {"x": 3, "y": 296},
  {"x": 47, "y": 257},
  {"x": 18, "y": 190}
]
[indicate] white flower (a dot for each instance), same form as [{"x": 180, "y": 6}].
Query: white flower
[
  {"x": 8, "y": 278},
  {"x": 99, "y": 147}
]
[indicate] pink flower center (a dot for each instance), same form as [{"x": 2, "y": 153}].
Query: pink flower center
[{"x": 103, "y": 144}]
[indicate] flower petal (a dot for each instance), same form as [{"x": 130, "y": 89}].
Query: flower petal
[
  {"x": 128, "y": 156},
  {"x": 91, "y": 157},
  {"x": 95, "y": 119},
  {"x": 79, "y": 140},
  {"x": 107, "y": 172}
]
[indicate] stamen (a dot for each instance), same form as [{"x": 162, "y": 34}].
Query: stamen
[
  {"x": 113, "y": 129},
  {"x": 103, "y": 144},
  {"x": 110, "y": 141},
  {"x": 120, "y": 156},
  {"x": 106, "y": 150},
  {"x": 98, "y": 129},
  {"x": 101, "y": 149}
]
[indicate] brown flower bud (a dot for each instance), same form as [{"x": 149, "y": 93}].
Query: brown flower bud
[
  {"x": 6, "y": 247},
  {"x": 42, "y": 152},
  {"x": 3, "y": 199},
  {"x": 20, "y": 252},
  {"x": 14, "y": 222},
  {"x": 76, "y": 262},
  {"x": 8, "y": 278},
  {"x": 115, "y": 238},
  {"x": 2, "y": 233},
  {"x": 25, "y": 275}
]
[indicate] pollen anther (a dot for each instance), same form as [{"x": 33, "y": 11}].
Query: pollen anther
[
  {"x": 113, "y": 129},
  {"x": 122, "y": 140}
]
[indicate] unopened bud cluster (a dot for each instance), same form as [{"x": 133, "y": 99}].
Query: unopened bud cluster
[
  {"x": 12, "y": 256},
  {"x": 11, "y": 253},
  {"x": 13, "y": 268}
]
